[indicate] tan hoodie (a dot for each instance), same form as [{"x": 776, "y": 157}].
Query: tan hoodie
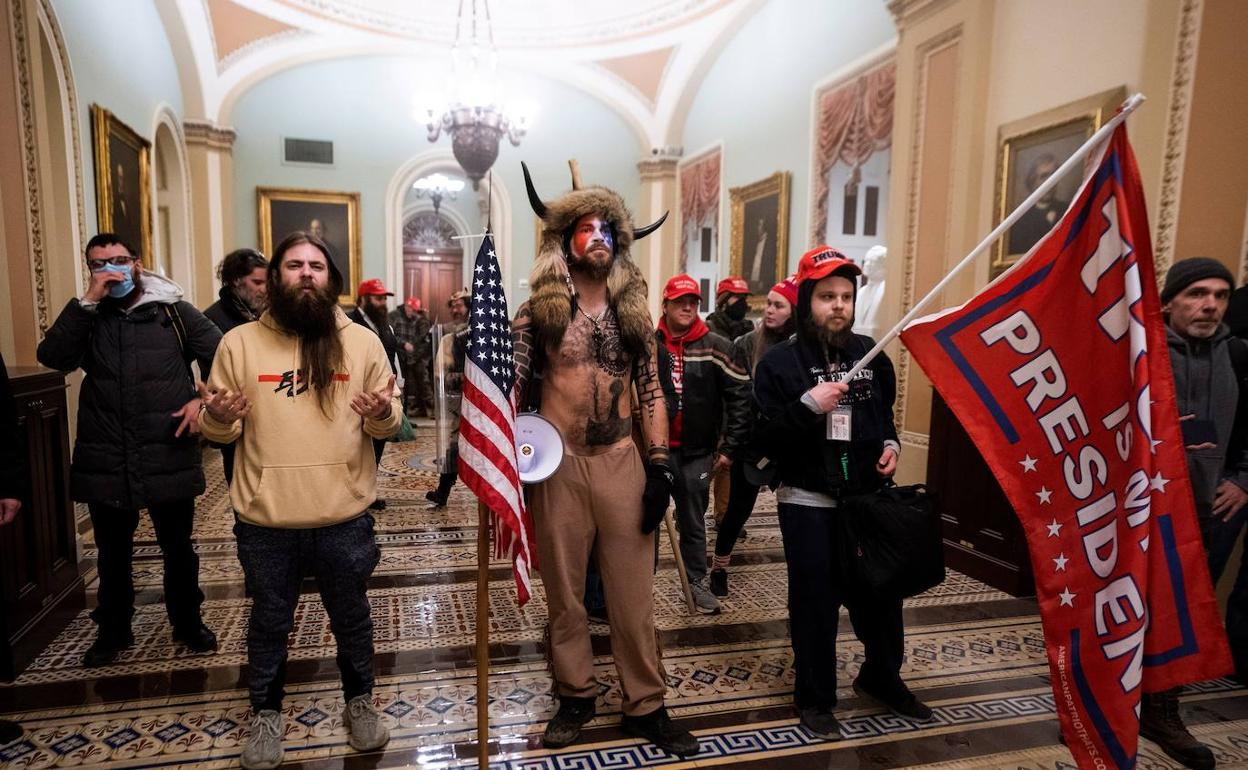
[{"x": 294, "y": 467}]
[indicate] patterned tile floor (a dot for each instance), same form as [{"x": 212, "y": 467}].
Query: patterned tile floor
[{"x": 974, "y": 654}]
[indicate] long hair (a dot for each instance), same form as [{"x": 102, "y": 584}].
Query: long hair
[
  {"x": 766, "y": 338},
  {"x": 320, "y": 344}
]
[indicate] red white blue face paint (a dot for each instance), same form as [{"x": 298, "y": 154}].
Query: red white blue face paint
[{"x": 590, "y": 230}]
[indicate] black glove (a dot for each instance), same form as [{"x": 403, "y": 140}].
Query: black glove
[{"x": 654, "y": 499}]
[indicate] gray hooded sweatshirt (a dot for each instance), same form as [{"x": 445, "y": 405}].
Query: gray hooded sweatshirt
[{"x": 1205, "y": 385}]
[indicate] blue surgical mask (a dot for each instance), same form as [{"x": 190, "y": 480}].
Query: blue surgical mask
[{"x": 124, "y": 286}]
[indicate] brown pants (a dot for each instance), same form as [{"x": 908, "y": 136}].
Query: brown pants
[
  {"x": 720, "y": 488},
  {"x": 593, "y": 504}
]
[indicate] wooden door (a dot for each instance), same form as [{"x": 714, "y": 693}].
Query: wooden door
[
  {"x": 433, "y": 277},
  {"x": 983, "y": 537}
]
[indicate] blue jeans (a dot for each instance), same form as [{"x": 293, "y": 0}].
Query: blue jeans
[{"x": 1220, "y": 538}]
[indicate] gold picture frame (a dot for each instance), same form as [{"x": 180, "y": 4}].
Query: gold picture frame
[
  {"x": 766, "y": 203},
  {"x": 121, "y": 207},
  {"x": 1028, "y": 150},
  {"x": 284, "y": 210}
]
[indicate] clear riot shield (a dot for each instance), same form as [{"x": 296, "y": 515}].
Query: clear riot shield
[{"x": 441, "y": 411}]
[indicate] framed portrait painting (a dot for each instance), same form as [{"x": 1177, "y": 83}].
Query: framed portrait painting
[
  {"x": 122, "y": 188},
  {"x": 1028, "y": 152},
  {"x": 760, "y": 234},
  {"x": 334, "y": 217}
]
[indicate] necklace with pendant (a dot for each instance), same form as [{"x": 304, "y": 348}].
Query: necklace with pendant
[{"x": 596, "y": 321}]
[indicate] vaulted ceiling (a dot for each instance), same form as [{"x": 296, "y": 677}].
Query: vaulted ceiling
[{"x": 643, "y": 58}]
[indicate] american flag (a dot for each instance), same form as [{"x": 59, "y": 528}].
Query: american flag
[{"x": 487, "y": 444}]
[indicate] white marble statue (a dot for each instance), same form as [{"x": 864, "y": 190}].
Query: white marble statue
[{"x": 870, "y": 293}]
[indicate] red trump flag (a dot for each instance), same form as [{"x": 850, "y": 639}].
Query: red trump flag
[{"x": 1059, "y": 372}]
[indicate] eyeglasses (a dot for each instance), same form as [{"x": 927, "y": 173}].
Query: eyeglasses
[{"x": 120, "y": 260}]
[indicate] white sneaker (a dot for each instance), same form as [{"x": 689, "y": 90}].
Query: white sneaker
[
  {"x": 703, "y": 599},
  {"x": 264, "y": 746},
  {"x": 364, "y": 723}
]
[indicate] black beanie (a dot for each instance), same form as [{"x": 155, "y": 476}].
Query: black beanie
[{"x": 1188, "y": 271}]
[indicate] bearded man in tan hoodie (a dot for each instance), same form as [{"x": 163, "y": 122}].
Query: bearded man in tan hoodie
[{"x": 302, "y": 393}]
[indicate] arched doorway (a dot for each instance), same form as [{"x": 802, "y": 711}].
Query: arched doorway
[
  {"x": 171, "y": 239},
  {"x": 433, "y": 261}
]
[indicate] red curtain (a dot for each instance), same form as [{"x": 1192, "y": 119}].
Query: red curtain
[
  {"x": 699, "y": 196},
  {"x": 855, "y": 122}
]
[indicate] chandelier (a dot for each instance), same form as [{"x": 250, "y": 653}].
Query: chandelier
[
  {"x": 436, "y": 187},
  {"x": 474, "y": 119}
]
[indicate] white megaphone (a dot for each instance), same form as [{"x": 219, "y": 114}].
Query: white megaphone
[{"x": 539, "y": 447}]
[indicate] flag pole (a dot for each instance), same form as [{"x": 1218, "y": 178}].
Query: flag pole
[
  {"x": 1127, "y": 108},
  {"x": 483, "y": 637}
]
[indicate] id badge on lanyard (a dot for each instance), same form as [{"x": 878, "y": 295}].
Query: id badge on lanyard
[
  {"x": 840, "y": 419},
  {"x": 840, "y": 424}
]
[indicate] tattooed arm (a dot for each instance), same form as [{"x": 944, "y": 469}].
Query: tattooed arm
[
  {"x": 653, "y": 406},
  {"x": 522, "y": 351}
]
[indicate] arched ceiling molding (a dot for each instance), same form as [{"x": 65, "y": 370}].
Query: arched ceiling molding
[
  {"x": 189, "y": 31},
  {"x": 690, "y": 66},
  {"x": 449, "y": 213}
]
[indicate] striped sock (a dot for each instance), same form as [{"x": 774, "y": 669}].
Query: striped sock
[{"x": 720, "y": 562}]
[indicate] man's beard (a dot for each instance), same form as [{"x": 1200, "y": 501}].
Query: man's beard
[
  {"x": 313, "y": 318},
  {"x": 826, "y": 336},
  {"x": 589, "y": 267},
  {"x": 308, "y": 316},
  {"x": 376, "y": 314}
]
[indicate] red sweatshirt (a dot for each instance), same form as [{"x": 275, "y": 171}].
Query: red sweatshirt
[{"x": 676, "y": 347}]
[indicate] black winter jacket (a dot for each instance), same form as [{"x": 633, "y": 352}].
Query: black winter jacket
[
  {"x": 228, "y": 312},
  {"x": 388, "y": 340},
  {"x": 125, "y": 454},
  {"x": 795, "y": 437},
  {"x": 727, "y": 328},
  {"x": 715, "y": 393}
]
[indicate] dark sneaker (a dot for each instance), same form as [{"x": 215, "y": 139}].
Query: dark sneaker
[
  {"x": 1161, "y": 723},
  {"x": 105, "y": 648},
  {"x": 821, "y": 723},
  {"x": 366, "y": 732},
  {"x": 9, "y": 731},
  {"x": 565, "y": 726},
  {"x": 377, "y": 505},
  {"x": 198, "y": 638},
  {"x": 719, "y": 582},
  {"x": 658, "y": 728},
  {"x": 439, "y": 502},
  {"x": 903, "y": 704},
  {"x": 263, "y": 750}
]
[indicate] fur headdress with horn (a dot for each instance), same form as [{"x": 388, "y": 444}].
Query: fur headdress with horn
[{"x": 551, "y": 300}]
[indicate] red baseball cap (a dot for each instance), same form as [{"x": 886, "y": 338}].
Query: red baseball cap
[
  {"x": 733, "y": 284},
  {"x": 822, "y": 261},
  {"x": 787, "y": 289},
  {"x": 414, "y": 303},
  {"x": 373, "y": 286},
  {"x": 681, "y": 285}
]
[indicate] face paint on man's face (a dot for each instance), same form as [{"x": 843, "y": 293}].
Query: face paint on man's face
[{"x": 589, "y": 229}]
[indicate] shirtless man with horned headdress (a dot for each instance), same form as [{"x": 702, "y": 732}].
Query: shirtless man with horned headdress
[{"x": 587, "y": 332}]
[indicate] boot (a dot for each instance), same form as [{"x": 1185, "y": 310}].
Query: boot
[
  {"x": 9, "y": 732},
  {"x": 440, "y": 495},
  {"x": 1161, "y": 723}
]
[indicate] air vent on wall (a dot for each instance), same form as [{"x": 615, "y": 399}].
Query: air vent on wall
[{"x": 315, "y": 151}]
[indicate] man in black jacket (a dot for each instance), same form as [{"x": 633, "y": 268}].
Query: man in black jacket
[
  {"x": 134, "y": 337},
  {"x": 830, "y": 439},
  {"x": 241, "y": 299},
  {"x": 244, "y": 289},
  {"x": 12, "y": 487},
  {"x": 370, "y": 311},
  {"x": 705, "y": 389}
]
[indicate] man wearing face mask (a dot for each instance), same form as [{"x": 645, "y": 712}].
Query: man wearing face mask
[
  {"x": 732, "y": 302},
  {"x": 134, "y": 337}
]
